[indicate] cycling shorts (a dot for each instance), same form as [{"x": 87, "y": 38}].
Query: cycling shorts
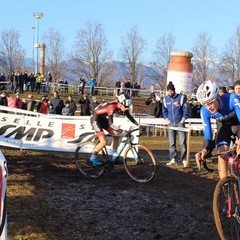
[
  {"x": 225, "y": 133},
  {"x": 99, "y": 125}
]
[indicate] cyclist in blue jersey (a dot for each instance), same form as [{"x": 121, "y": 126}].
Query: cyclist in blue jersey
[{"x": 226, "y": 110}]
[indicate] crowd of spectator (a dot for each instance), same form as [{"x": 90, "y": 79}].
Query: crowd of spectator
[
  {"x": 54, "y": 105},
  {"x": 20, "y": 82}
]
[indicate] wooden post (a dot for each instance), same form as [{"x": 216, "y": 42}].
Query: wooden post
[{"x": 188, "y": 144}]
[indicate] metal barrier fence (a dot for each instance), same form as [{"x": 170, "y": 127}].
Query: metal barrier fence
[{"x": 98, "y": 91}]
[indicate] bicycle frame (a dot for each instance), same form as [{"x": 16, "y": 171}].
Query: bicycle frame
[{"x": 127, "y": 142}]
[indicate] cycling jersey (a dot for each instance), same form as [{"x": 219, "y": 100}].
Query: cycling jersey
[
  {"x": 102, "y": 116},
  {"x": 228, "y": 115}
]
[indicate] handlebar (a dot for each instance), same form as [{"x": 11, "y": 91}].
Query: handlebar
[{"x": 212, "y": 156}]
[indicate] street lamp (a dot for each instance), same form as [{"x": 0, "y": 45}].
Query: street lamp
[
  {"x": 38, "y": 16},
  {"x": 33, "y": 66}
]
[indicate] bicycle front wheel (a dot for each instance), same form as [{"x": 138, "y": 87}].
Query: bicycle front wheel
[
  {"x": 226, "y": 209},
  {"x": 82, "y": 155},
  {"x": 139, "y": 163}
]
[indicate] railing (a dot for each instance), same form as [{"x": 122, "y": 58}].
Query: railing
[{"x": 99, "y": 91}]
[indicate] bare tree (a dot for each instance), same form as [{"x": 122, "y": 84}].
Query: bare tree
[
  {"x": 55, "y": 51},
  {"x": 11, "y": 52},
  {"x": 164, "y": 46},
  {"x": 132, "y": 48},
  {"x": 230, "y": 58},
  {"x": 91, "y": 53},
  {"x": 204, "y": 59}
]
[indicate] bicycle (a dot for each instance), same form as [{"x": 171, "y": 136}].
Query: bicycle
[
  {"x": 226, "y": 198},
  {"x": 138, "y": 160}
]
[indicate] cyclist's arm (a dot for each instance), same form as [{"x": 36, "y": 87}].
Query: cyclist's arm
[
  {"x": 208, "y": 143},
  {"x": 131, "y": 118},
  {"x": 235, "y": 104}
]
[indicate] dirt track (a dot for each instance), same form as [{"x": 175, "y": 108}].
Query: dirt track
[{"x": 49, "y": 199}]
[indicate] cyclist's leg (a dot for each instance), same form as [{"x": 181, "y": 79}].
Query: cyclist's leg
[
  {"x": 98, "y": 126},
  {"x": 223, "y": 162},
  {"x": 223, "y": 141}
]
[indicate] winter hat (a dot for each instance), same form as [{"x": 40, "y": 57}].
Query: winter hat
[{"x": 170, "y": 86}]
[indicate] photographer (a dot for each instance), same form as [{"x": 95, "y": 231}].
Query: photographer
[{"x": 154, "y": 106}]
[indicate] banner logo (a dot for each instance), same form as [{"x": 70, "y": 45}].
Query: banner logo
[{"x": 68, "y": 130}]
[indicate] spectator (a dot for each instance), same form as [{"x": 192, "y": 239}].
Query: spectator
[
  {"x": 3, "y": 99},
  {"x": 44, "y": 106},
  {"x": 38, "y": 82},
  {"x": 25, "y": 81},
  {"x": 24, "y": 104},
  {"x": 222, "y": 90},
  {"x": 230, "y": 89},
  {"x": 32, "y": 80},
  {"x": 65, "y": 86},
  {"x": 15, "y": 82},
  {"x": 51, "y": 110},
  {"x": 94, "y": 103},
  {"x": 122, "y": 89},
  {"x": 66, "y": 111},
  {"x": 57, "y": 103},
  {"x": 175, "y": 111},
  {"x": 92, "y": 85},
  {"x": 18, "y": 101},
  {"x": 82, "y": 85},
  {"x": 128, "y": 87},
  {"x": 48, "y": 82},
  {"x": 154, "y": 106},
  {"x": 11, "y": 79},
  {"x": 118, "y": 86},
  {"x": 12, "y": 102},
  {"x": 44, "y": 97},
  {"x": 31, "y": 103},
  {"x": 194, "y": 112},
  {"x": 2, "y": 80},
  {"x": 20, "y": 82},
  {"x": 72, "y": 105},
  {"x": 85, "y": 105}
]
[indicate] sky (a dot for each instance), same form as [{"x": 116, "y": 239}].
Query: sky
[{"x": 185, "y": 19}]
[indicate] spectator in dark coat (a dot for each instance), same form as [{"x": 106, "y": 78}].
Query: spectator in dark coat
[
  {"x": 154, "y": 106},
  {"x": 3, "y": 99},
  {"x": 85, "y": 105},
  {"x": 72, "y": 105},
  {"x": 57, "y": 103}
]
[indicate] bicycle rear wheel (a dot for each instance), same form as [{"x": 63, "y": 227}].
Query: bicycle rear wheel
[
  {"x": 82, "y": 156},
  {"x": 139, "y": 163},
  {"x": 226, "y": 209}
]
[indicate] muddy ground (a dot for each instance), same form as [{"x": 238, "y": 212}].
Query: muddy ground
[{"x": 49, "y": 199}]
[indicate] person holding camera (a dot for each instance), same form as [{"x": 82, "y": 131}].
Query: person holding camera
[{"x": 154, "y": 106}]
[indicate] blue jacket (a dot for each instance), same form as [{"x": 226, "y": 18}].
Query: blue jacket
[
  {"x": 229, "y": 114},
  {"x": 175, "y": 108},
  {"x": 91, "y": 83}
]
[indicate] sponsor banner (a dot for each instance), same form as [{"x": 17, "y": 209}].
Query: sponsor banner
[{"x": 34, "y": 131}]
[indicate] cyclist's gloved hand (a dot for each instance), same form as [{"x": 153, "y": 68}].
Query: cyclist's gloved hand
[
  {"x": 200, "y": 157},
  {"x": 142, "y": 128}
]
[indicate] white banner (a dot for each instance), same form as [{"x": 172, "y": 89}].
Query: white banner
[{"x": 29, "y": 130}]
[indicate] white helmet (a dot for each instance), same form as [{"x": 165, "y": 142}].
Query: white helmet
[
  {"x": 125, "y": 100},
  {"x": 207, "y": 92}
]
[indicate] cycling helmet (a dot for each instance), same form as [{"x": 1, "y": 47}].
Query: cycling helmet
[
  {"x": 207, "y": 92},
  {"x": 125, "y": 100}
]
